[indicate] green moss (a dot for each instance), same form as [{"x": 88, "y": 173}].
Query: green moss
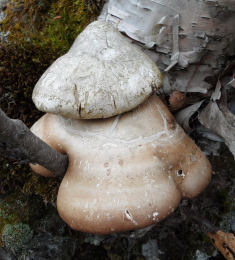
[
  {"x": 46, "y": 188},
  {"x": 9, "y": 211},
  {"x": 19, "y": 208},
  {"x": 22, "y": 66},
  {"x": 40, "y": 31},
  {"x": 49, "y": 24},
  {"x": 66, "y": 19},
  {"x": 16, "y": 236}
]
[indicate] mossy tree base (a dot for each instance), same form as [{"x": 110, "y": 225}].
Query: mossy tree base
[
  {"x": 40, "y": 31},
  {"x": 51, "y": 25}
]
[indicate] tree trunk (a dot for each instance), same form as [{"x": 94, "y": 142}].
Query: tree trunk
[
  {"x": 18, "y": 142},
  {"x": 192, "y": 42},
  {"x": 189, "y": 40}
]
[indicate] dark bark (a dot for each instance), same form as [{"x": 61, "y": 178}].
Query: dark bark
[{"x": 18, "y": 142}]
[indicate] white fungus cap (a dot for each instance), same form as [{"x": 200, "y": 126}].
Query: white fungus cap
[{"x": 102, "y": 75}]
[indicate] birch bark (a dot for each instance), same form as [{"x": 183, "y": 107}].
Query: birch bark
[{"x": 189, "y": 40}]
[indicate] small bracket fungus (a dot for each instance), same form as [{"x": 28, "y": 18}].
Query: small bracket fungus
[
  {"x": 125, "y": 172},
  {"x": 102, "y": 75}
]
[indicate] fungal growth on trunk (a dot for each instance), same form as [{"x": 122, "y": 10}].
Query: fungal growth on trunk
[
  {"x": 102, "y": 75},
  {"x": 126, "y": 171}
]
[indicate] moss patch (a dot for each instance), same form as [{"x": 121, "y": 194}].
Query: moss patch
[
  {"x": 47, "y": 189},
  {"x": 15, "y": 236},
  {"x": 18, "y": 208},
  {"x": 49, "y": 24},
  {"x": 40, "y": 31}
]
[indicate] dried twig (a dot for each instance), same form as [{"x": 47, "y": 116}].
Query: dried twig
[{"x": 18, "y": 142}]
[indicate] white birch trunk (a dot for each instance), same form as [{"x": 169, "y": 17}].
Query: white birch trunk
[{"x": 180, "y": 34}]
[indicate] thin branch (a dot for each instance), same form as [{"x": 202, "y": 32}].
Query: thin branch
[{"x": 18, "y": 142}]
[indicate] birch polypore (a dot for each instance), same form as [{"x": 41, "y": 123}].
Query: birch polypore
[
  {"x": 102, "y": 75},
  {"x": 125, "y": 172}
]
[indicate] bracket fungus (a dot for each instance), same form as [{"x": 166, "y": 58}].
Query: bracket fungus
[
  {"x": 126, "y": 171},
  {"x": 102, "y": 75}
]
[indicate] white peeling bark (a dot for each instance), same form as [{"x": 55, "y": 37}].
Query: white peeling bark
[{"x": 182, "y": 33}]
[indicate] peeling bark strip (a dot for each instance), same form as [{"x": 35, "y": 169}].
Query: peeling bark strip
[
  {"x": 18, "y": 142},
  {"x": 197, "y": 35}
]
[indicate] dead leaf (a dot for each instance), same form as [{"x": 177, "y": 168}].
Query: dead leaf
[
  {"x": 232, "y": 82},
  {"x": 184, "y": 115},
  {"x": 225, "y": 243},
  {"x": 216, "y": 95},
  {"x": 221, "y": 122}
]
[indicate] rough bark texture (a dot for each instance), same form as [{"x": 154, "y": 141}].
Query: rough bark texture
[
  {"x": 189, "y": 40},
  {"x": 18, "y": 142}
]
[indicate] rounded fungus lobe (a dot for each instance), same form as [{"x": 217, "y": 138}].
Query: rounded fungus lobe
[
  {"x": 125, "y": 172},
  {"x": 102, "y": 75}
]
